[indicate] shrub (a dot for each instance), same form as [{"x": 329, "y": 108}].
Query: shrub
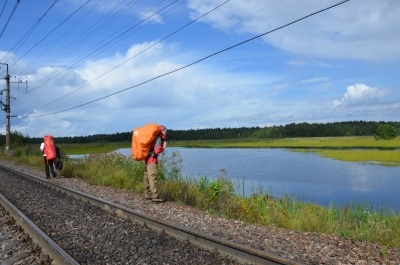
[{"x": 385, "y": 132}]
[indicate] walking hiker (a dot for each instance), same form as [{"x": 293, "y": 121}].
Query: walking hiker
[
  {"x": 151, "y": 170},
  {"x": 49, "y": 156}
]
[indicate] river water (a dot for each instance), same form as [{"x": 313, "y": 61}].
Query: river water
[{"x": 303, "y": 175}]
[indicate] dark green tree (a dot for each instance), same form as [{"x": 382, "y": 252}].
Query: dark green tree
[{"x": 385, "y": 132}]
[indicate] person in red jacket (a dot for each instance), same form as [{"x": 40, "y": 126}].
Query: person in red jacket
[
  {"x": 151, "y": 170},
  {"x": 49, "y": 165}
]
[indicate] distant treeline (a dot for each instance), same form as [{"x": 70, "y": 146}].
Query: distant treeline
[{"x": 336, "y": 129}]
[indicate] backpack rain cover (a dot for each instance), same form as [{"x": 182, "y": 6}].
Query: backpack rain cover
[{"x": 142, "y": 139}]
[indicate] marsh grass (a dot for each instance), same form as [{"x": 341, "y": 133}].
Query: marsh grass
[
  {"x": 384, "y": 157},
  {"x": 218, "y": 197},
  {"x": 92, "y": 148},
  {"x": 309, "y": 142},
  {"x": 357, "y": 149}
]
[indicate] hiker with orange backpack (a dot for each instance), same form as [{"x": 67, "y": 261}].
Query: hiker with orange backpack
[
  {"x": 151, "y": 171},
  {"x": 48, "y": 150}
]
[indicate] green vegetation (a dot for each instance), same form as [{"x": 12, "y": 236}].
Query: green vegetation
[
  {"x": 381, "y": 130},
  {"x": 385, "y": 132},
  {"x": 305, "y": 142},
  {"x": 92, "y": 148},
  {"x": 217, "y": 196},
  {"x": 382, "y": 157}
]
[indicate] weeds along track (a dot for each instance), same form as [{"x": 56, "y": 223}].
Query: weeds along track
[{"x": 94, "y": 231}]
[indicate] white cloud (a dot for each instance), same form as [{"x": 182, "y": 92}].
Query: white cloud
[
  {"x": 315, "y": 80},
  {"x": 351, "y": 30},
  {"x": 359, "y": 95},
  {"x": 151, "y": 16}
]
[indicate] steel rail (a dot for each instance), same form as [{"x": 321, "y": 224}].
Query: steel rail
[
  {"x": 48, "y": 246},
  {"x": 241, "y": 253}
]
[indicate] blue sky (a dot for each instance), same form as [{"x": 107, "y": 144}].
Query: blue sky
[{"x": 82, "y": 67}]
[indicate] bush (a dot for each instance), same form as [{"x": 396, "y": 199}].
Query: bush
[{"x": 385, "y": 132}]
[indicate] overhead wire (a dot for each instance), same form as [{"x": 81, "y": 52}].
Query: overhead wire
[
  {"x": 76, "y": 62},
  {"x": 52, "y": 31},
  {"x": 121, "y": 11},
  {"x": 60, "y": 38},
  {"x": 130, "y": 31},
  {"x": 95, "y": 29},
  {"x": 9, "y": 18},
  {"x": 102, "y": 46},
  {"x": 27, "y": 34},
  {"x": 134, "y": 56},
  {"x": 195, "y": 62},
  {"x": 4, "y": 6},
  {"x": 88, "y": 32},
  {"x": 102, "y": 75},
  {"x": 190, "y": 39}
]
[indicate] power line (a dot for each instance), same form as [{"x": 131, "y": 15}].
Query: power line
[
  {"x": 5, "y": 3},
  {"x": 103, "y": 45},
  {"x": 142, "y": 51},
  {"x": 29, "y": 32},
  {"x": 87, "y": 34},
  {"x": 195, "y": 62},
  {"x": 93, "y": 30},
  {"x": 9, "y": 18},
  {"x": 53, "y": 30}
]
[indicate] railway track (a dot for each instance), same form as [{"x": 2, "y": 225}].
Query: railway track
[
  {"x": 196, "y": 247},
  {"x": 30, "y": 245}
]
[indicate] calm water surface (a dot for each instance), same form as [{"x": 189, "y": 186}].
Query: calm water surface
[{"x": 306, "y": 176}]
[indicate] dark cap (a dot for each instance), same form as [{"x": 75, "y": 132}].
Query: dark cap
[{"x": 163, "y": 128}]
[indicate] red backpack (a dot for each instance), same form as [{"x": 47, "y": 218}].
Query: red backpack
[{"x": 49, "y": 147}]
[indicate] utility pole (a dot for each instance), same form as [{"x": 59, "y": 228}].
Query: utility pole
[
  {"x": 8, "y": 113},
  {"x": 7, "y": 109}
]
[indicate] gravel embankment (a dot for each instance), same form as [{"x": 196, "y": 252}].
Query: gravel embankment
[{"x": 303, "y": 247}]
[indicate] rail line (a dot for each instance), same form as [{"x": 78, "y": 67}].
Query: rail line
[
  {"x": 48, "y": 246},
  {"x": 239, "y": 252}
]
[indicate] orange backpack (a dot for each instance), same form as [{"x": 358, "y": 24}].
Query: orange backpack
[
  {"x": 142, "y": 139},
  {"x": 49, "y": 148}
]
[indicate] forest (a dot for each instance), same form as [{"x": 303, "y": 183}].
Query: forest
[{"x": 292, "y": 130}]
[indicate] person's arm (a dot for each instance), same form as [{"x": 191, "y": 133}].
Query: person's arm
[
  {"x": 159, "y": 146},
  {"x": 42, "y": 147}
]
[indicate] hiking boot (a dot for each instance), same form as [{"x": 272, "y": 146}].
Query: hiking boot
[{"x": 158, "y": 200}]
